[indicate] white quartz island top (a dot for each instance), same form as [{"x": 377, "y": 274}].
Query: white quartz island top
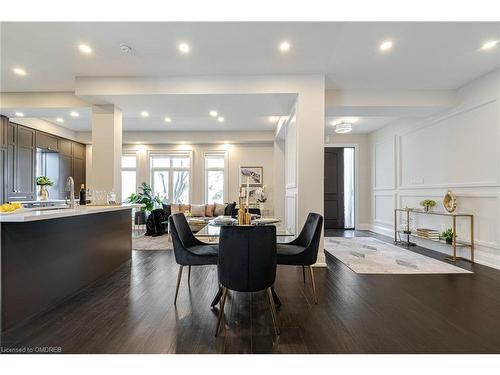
[{"x": 34, "y": 214}]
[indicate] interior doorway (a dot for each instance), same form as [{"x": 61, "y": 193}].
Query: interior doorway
[{"x": 339, "y": 189}]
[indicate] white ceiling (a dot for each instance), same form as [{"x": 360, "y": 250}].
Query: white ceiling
[
  {"x": 187, "y": 112},
  {"x": 425, "y": 55}
]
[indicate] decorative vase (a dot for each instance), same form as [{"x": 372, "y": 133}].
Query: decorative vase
[
  {"x": 262, "y": 207},
  {"x": 140, "y": 218},
  {"x": 43, "y": 194},
  {"x": 427, "y": 208},
  {"x": 449, "y": 241}
]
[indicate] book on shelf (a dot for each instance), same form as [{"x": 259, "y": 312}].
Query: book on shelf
[{"x": 428, "y": 233}]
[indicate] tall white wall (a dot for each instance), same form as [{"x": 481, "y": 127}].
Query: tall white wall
[{"x": 457, "y": 150}]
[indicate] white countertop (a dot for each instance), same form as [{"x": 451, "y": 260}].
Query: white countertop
[{"x": 34, "y": 214}]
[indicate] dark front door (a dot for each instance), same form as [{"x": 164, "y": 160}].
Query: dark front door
[{"x": 334, "y": 188}]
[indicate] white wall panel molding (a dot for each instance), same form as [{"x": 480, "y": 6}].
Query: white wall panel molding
[
  {"x": 458, "y": 150},
  {"x": 384, "y": 164},
  {"x": 383, "y": 208}
]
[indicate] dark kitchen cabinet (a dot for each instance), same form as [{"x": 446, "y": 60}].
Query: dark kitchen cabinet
[
  {"x": 3, "y": 174},
  {"x": 20, "y": 163},
  {"x": 18, "y": 146},
  {"x": 78, "y": 170},
  {"x": 65, "y": 147},
  {"x": 47, "y": 141},
  {"x": 65, "y": 165},
  {"x": 4, "y": 124}
]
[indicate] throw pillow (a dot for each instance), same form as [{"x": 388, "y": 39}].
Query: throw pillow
[
  {"x": 175, "y": 209},
  {"x": 209, "y": 210},
  {"x": 219, "y": 209},
  {"x": 198, "y": 210},
  {"x": 184, "y": 207}
]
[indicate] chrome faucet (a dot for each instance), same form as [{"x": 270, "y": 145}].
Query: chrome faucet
[{"x": 70, "y": 186}]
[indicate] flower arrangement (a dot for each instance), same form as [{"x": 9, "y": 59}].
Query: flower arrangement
[
  {"x": 44, "y": 181},
  {"x": 428, "y": 204}
]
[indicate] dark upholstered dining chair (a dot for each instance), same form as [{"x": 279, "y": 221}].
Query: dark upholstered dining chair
[
  {"x": 303, "y": 251},
  {"x": 188, "y": 250},
  {"x": 247, "y": 263}
]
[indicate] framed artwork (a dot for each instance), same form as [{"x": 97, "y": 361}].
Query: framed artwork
[{"x": 255, "y": 174}]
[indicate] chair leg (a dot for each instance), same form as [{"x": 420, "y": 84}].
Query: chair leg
[
  {"x": 304, "y": 274},
  {"x": 273, "y": 312},
  {"x": 221, "y": 311},
  {"x": 189, "y": 274},
  {"x": 179, "y": 276},
  {"x": 313, "y": 284}
]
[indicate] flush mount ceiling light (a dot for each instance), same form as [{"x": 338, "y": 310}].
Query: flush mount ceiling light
[
  {"x": 220, "y": 119},
  {"x": 125, "y": 48},
  {"x": 59, "y": 119},
  {"x": 74, "y": 114},
  {"x": 19, "y": 71},
  {"x": 19, "y": 114},
  {"x": 213, "y": 113},
  {"x": 168, "y": 119},
  {"x": 85, "y": 48},
  {"x": 386, "y": 45},
  {"x": 184, "y": 48},
  {"x": 343, "y": 127},
  {"x": 145, "y": 114},
  {"x": 284, "y": 46},
  {"x": 490, "y": 44}
]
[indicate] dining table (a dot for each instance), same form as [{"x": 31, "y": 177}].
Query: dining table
[{"x": 211, "y": 232}]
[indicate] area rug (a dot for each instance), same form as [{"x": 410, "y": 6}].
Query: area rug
[
  {"x": 143, "y": 242},
  {"x": 367, "y": 255}
]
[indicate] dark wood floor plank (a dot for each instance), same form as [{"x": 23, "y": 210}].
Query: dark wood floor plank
[{"x": 132, "y": 311}]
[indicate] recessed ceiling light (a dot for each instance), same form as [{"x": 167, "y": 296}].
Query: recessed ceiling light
[
  {"x": 85, "y": 48},
  {"x": 490, "y": 44},
  {"x": 59, "y": 119},
  {"x": 19, "y": 71},
  {"x": 168, "y": 119},
  {"x": 386, "y": 45},
  {"x": 220, "y": 119},
  {"x": 125, "y": 48},
  {"x": 184, "y": 47},
  {"x": 74, "y": 114},
  {"x": 273, "y": 119},
  {"x": 284, "y": 46},
  {"x": 144, "y": 114},
  {"x": 213, "y": 113},
  {"x": 19, "y": 114}
]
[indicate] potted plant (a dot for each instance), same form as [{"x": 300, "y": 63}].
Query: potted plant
[
  {"x": 261, "y": 195},
  {"x": 145, "y": 197},
  {"x": 428, "y": 204},
  {"x": 43, "y": 182},
  {"x": 448, "y": 236}
]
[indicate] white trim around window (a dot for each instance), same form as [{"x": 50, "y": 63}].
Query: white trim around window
[
  {"x": 189, "y": 154},
  {"x": 225, "y": 193}
]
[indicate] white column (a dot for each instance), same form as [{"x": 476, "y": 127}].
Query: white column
[
  {"x": 106, "y": 149},
  {"x": 310, "y": 133}
]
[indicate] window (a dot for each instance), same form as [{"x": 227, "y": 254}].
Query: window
[
  {"x": 129, "y": 183},
  {"x": 214, "y": 178},
  {"x": 170, "y": 177}
]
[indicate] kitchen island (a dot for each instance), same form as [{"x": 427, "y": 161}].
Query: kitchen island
[{"x": 47, "y": 255}]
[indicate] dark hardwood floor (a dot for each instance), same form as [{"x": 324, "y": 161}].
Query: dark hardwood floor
[{"x": 132, "y": 311}]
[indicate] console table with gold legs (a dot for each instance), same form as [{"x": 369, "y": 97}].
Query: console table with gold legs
[{"x": 455, "y": 244}]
